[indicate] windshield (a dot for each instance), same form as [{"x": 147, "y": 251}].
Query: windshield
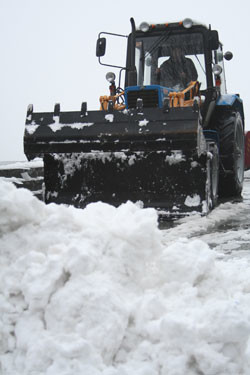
[{"x": 170, "y": 60}]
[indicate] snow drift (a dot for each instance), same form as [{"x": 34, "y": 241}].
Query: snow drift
[{"x": 98, "y": 291}]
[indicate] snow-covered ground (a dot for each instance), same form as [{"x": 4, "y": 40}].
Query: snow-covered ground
[
  {"x": 104, "y": 291},
  {"x": 36, "y": 163}
]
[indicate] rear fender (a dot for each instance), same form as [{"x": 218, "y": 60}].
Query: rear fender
[{"x": 232, "y": 101}]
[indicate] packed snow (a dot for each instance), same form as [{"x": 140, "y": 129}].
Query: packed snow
[{"x": 104, "y": 291}]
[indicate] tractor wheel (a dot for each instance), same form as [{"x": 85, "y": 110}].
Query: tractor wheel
[{"x": 231, "y": 135}]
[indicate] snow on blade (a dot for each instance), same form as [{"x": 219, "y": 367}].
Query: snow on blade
[
  {"x": 101, "y": 291},
  {"x": 193, "y": 201},
  {"x": 176, "y": 157},
  {"x": 81, "y": 125},
  {"x": 31, "y": 128},
  {"x": 143, "y": 122},
  {"x": 57, "y": 126},
  {"x": 109, "y": 117}
]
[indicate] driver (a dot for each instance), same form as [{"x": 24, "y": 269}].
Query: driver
[{"x": 177, "y": 71}]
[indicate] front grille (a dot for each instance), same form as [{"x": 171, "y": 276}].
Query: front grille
[{"x": 149, "y": 97}]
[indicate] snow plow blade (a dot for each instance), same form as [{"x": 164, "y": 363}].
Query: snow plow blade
[{"x": 158, "y": 157}]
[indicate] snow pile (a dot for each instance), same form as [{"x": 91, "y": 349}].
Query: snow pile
[{"x": 96, "y": 291}]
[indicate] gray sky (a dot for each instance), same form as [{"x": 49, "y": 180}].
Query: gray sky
[{"x": 48, "y": 52}]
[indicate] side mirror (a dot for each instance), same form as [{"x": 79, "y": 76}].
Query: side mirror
[
  {"x": 100, "y": 47},
  {"x": 214, "y": 39},
  {"x": 228, "y": 55}
]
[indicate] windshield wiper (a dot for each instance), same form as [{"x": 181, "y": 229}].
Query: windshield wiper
[
  {"x": 156, "y": 44},
  {"x": 200, "y": 64}
]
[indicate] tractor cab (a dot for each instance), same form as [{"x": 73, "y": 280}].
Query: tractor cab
[
  {"x": 181, "y": 61},
  {"x": 170, "y": 59}
]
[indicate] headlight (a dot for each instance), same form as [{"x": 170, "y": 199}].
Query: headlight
[
  {"x": 187, "y": 23},
  {"x": 110, "y": 77},
  {"x": 219, "y": 56},
  {"x": 148, "y": 61},
  {"x": 217, "y": 69},
  {"x": 144, "y": 26}
]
